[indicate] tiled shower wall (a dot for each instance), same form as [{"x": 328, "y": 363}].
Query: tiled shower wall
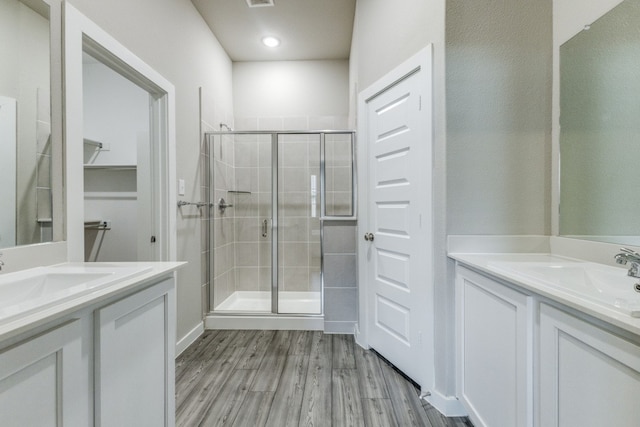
[{"x": 252, "y": 206}]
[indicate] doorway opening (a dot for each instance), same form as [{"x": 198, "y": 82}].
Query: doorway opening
[{"x": 120, "y": 159}]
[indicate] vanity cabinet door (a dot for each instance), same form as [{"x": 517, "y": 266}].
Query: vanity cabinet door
[
  {"x": 135, "y": 352},
  {"x": 588, "y": 376},
  {"x": 493, "y": 351},
  {"x": 42, "y": 382}
]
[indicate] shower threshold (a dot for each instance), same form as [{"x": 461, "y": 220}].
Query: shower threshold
[{"x": 260, "y": 301}]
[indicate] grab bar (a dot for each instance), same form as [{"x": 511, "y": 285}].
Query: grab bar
[{"x": 265, "y": 227}]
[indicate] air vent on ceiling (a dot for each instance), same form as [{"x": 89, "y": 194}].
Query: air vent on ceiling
[{"x": 260, "y": 3}]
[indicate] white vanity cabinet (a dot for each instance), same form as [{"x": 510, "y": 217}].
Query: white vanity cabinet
[
  {"x": 43, "y": 380},
  {"x": 525, "y": 359},
  {"x": 589, "y": 375},
  {"x": 135, "y": 354},
  {"x": 493, "y": 350},
  {"x": 107, "y": 359}
]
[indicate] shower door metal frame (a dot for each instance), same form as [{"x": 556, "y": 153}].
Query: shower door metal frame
[{"x": 275, "y": 212}]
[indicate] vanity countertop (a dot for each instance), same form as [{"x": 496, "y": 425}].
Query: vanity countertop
[
  {"x": 110, "y": 279},
  {"x": 492, "y": 263}
]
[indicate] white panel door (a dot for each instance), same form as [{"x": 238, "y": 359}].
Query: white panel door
[{"x": 399, "y": 258}]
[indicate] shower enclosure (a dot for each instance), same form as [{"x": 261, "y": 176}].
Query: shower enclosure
[{"x": 270, "y": 192}]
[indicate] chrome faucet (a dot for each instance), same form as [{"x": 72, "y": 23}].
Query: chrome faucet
[{"x": 629, "y": 256}]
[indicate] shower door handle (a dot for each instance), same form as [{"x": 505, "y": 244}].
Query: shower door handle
[{"x": 265, "y": 227}]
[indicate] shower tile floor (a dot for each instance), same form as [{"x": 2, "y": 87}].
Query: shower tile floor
[{"x": 260, "y": 301}]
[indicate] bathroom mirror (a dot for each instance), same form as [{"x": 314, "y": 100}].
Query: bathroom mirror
[
  {"x": 600, "y": 129},
  {"x": 29, "y": 136}
]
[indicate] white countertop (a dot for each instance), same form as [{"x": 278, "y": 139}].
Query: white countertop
[
  {"x": 151, "y": 271},
  {"x": 484, "y": 262}
]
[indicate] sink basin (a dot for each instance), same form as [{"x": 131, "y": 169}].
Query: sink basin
[
  {"x": 44, "y": 285},
  {"x": 609, "y": 286},
  {"x": 38, "y": 288}
]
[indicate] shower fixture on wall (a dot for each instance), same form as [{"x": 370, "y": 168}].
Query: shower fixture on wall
[
  {"x": 224, "y": 125},
  {"x": 223, "y": 205}
]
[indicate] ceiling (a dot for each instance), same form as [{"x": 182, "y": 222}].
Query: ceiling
[{"x": 308, "y": 29}]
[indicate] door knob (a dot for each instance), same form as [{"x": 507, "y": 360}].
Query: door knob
[{"x": 368, "y": 237}]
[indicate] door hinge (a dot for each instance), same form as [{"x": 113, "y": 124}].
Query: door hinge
[{"x": 153, "y": 239}]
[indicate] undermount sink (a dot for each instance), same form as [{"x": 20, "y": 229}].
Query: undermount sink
[
  {"x": 609, "y": 286},
  {"x": 38, "y": 288}
]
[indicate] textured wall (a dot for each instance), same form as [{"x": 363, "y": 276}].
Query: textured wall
[{"x": 498, "y": 117}]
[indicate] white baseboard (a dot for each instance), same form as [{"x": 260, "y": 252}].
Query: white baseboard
[
  {"x": 213, "y": 321},
  {"x": 189, "y": 339},
  {"x": 359, "y": 338},
  {"x": 336, "y": 327},
  {"x": 448, "y": 406}
]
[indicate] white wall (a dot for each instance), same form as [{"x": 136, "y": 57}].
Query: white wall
[
  {"x": 291, "y": 88},
  {"x": 115, "y": 112},
  {"x": 498, "y": 116},
  {"x": 570, "y": 16},
  {"x": 172, "y": 38}
]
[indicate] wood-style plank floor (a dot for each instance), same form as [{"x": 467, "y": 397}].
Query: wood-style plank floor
[{"x": 294, "y": 378}]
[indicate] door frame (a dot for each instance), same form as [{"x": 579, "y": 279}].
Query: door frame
[
  {"x": 420, "y": 61},
  {"x": 81, "y": 34}
]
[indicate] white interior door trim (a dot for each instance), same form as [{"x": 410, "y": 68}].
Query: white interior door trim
[
  {"x": 421, "y": 60},
  {"x": 81, "y": 33}
]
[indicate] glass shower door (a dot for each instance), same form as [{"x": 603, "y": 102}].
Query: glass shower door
[
  {"x": 299, "y": 254},
  {"x": 241, "y": 252}
]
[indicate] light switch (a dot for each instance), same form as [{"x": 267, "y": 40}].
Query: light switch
[{"x": 181, "y": 189}]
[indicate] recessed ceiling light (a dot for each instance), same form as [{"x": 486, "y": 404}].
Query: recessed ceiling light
[{"x": 270, "y": 41}]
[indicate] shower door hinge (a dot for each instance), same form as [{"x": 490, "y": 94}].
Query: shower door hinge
[
  {"x": 420, "y": 103},
  {"x": 153, "y": 239}
]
